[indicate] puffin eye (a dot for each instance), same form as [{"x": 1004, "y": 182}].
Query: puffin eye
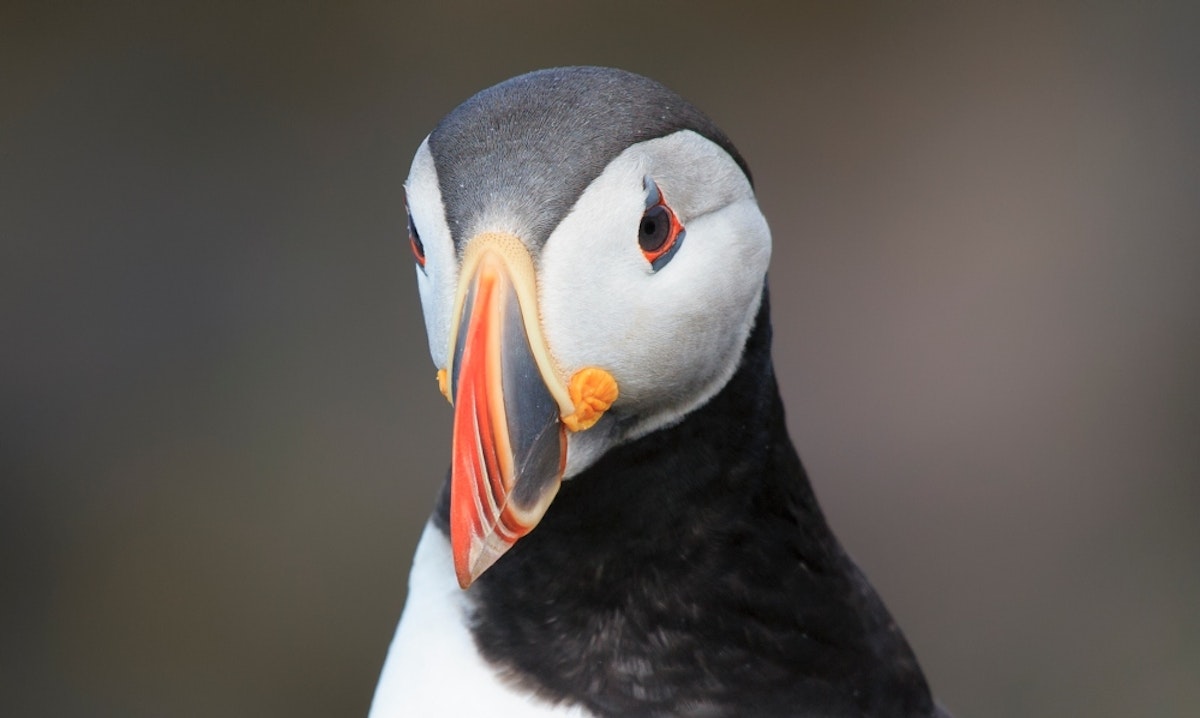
[
  {"x": 414, "y": 241},
  {"x": 659, "y": 233}
]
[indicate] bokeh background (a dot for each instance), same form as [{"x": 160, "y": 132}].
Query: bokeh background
[{"x": 219, "y": 429}]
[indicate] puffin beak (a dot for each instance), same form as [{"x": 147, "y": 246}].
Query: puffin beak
[{"x": 509, "y": 442}]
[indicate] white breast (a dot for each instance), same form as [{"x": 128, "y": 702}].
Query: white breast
[{"x": 433, "y": 668}]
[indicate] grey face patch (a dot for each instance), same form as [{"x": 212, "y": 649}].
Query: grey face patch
[{"x": 519, "y": 154}]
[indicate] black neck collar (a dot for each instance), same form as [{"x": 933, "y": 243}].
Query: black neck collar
[{"x": 691, "y": 572}]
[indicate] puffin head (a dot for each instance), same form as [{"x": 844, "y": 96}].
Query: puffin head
[{"x": 591, "y": 260}]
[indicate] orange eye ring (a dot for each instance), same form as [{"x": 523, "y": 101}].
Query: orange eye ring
[{"x": 660, "y": 232}]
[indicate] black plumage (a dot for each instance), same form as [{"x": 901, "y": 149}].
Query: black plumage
[{"x": 691, "y": 573}]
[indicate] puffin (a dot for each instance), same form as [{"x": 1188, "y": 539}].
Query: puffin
[{"x": 626, "y": 529}]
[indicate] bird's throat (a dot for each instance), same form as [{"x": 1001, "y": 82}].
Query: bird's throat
[{"x": 690, "y": 556}]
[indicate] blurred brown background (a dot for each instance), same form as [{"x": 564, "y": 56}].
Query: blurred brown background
[{"x": 219, "y": 429}]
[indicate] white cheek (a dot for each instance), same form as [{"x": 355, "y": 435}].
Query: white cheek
[
  {"x": 591, "y": 277},
  {"x": 436, "y": 288},
  {"x": 671, "y": 338},
  {"x": 435, "y": 324},
  {"x": 708, "y": 306},
  {"x": 436, "y": 281}
]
